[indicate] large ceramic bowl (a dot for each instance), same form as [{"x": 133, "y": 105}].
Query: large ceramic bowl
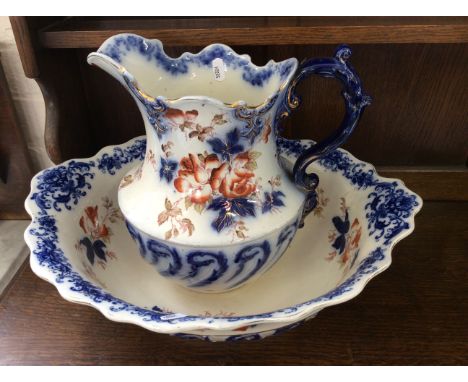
[{"x": 80, "y": 244}]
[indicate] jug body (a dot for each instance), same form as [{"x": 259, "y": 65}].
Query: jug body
[{"x": 210, "y": 207}]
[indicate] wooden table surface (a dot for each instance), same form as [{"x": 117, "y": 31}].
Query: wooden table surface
[{"x": 416, "y": 312}]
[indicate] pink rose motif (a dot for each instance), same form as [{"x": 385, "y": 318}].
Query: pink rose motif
[{"x": 194, "y": 177}]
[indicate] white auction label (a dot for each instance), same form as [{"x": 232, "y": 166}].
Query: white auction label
[{"x": 219, "y": 69}]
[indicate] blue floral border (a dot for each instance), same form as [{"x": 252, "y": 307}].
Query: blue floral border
[
  {"x": 390, "y": 205},
  {"x": 390, "y": 208}
]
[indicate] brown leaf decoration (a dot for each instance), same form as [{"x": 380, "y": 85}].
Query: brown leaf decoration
[
  {"x": 240, "y": 234},
  {"x": 251, "y": 165},
  {"x": 199, "y": 207},
  {"x": 266, "y": 131},
  {"x": 218, "y": 119},
  {"x": 162, "y": 217},
  {"x": 254, "y": 154},
  {"x": 188, "y": 202},
  {"x": 107, "y": 202},
  {"x": 175, "y": 211},
  {"x": 207, "y": 130},
  {"x": 168, "y": 234},
  {"x": 116, "y": 213},
  {"x": 168, "y": 204},
  {"x": 191, "y": 228},
  {"x": 175, "y": 232},
  {"x": 127, "y": 179},
  {"x": 275, "y": 181},
  {"x": 187, "y": 223}
]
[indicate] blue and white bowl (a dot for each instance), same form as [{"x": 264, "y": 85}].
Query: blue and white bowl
[{"x": 80, "y": 244}]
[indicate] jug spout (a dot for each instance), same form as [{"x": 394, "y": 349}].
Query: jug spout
[
  {"x": 211, "y": 122},
  {"x": 216, "y": 76},
  {"x": 215, "y": 95},
  {"x": 107, "y": 64},
  {"x": 148, "y": 105}
]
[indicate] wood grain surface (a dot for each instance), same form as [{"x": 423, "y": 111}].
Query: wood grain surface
[
  {"x": 416, "y": 125},
  {"x": 24, "y": 43},
  {"x": 413, "y": 313},
  {"x": 67, "y": 131},
  {"x": 89, "y": 32},
  {"x": 448, "y": 184}
]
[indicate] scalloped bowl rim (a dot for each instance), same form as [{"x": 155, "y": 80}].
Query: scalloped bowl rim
[{"x": 305, "y": 309}]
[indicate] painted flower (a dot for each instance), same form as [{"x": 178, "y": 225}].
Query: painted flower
[
  {"x": 346, "y": 239},
  {"x": 229, "y": 147},
  {"x": 235, "y": 180},
  {"x": 94, "y": 249},
  {"x": 201, "y": 132},
  {"x": 97, "y": 234},
  {"x": 342, "y": 226},
  {"x": 266, "y": 131},
  {"x": 173, "y": 214},
  {"x": 272, "y": 200},
  {"x": 181, "y": 119},
  {"x": 229, "y": 209},
  {"x": 194, "y": 176},
  {"x": 353, "y": 244},
  {"x": 90, "y": 225},
  {"x": 166, "y": 171}
]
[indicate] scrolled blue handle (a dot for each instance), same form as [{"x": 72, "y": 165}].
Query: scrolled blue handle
[{"x": 355, "y": 102}]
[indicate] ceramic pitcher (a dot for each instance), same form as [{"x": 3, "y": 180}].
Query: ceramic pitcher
[{"x": 211, "y": 207}]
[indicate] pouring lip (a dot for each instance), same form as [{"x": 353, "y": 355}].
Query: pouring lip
[{"x": 108, "y": 52}]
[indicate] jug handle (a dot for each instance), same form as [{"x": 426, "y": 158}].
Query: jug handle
[{"x": 355, "y": 102}]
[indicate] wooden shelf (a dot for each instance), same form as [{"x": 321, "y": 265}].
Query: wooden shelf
[
  {"x": 413, "y": 67},
  {"x": 432, "y": 183},
  {"x": 77, "y": 32}
]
